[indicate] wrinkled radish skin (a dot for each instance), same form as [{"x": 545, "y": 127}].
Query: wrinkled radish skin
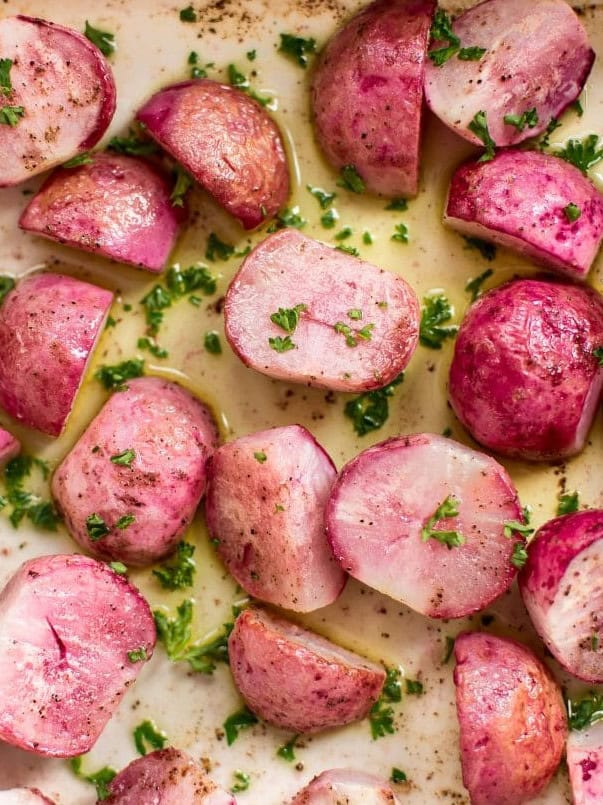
[
  {"x": 9, "y": 447},
  {"x": 524, "y": 380},
  {"x": 265, "y": 509},
  {"x": 537, "y": 57},
  {"x": 67, "y": 624},
  {"x": 367, "y": 94},
  {"x": 562, "y": 588},
  {"x": 297, "y": 680},
  {"x": 585, "y": 764},
  {"x": 518, "y": 200},
  {"x": 49, "y": 325},
  {"x": 288, "y": 269},
  {"x": 512, "y": 719},
  {"x": 116, "y": 206},
  {"x": 347, "y": 786},
  {"x": 67, "y": 91},
  {"x": 24, "y": 796},
  {"x": 384, "y": 497},
  {"x": 226, "y": 141}
]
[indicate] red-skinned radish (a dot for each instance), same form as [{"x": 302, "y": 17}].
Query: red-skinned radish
[
  {"x": 348, "y": 786},
  {"x": 585, "y": 763},
  {"x": 9, "y": 447},
  {"x": 24, "y": 796}
]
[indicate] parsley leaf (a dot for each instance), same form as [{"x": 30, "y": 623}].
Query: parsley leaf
[
  {"x": 471, "y": 54},
  {"x": 441, "y": 31},
  {"x": 398, "y": 204},
  {"x": 288, "y": 318},
  {"x": 137, "y": 655},
  {"x": 175, "y": 634},
  {"x": 241, "y": 720},
  {"x": 114, "y": 377},
  {"x": 251, "y": 55},
  {"x": 582, "y": 153},
  {"x": 96, "y": 527},
  {"x": 152, "y": 346},
  {"x": 182, "y": 185},
  {"x": 451, "y": 539},
  {"x": 103, "y": 40},
  {"x": 188, "y": 14},
  {"x": 288, "y": 217},
  {"x": 297, "y": 48},
  {"x": 147, "y": 735},
  {"x": 479, "y": 127},
  {"x": 436, "y": 311},
  {"x": 487, "y": 250},
  {"x": 572, "y": 212},
  {"x": 370, "y": 410},
  {"x": 398, "y": 776},
  {"x": 100, "y": 779},
  {"x": 474, "y": 286},
  {"x": 381, "y": 718},
  {"x": 211, "y": 342},
  {"x": 598, "y": 354},
  {"x": 348, "y": 249},
  {"x": 448, "y": 650},
  {"x": 568, "y": 503},
  {"x": 240, "y": 81},
  {"x": 528, "y": 118},
  {"x": 154, "y": 303},
  {"x": 392, "y": 688},
  {"x": 401, "y": 234},
  {"x": 260, "y": 456},
  {"x": 41, "y": 513},
  {"x": 179, "y": 572},
  {"x": 352, "y": 336},
  {"x": 329, "y": 219},
  {"x": 519, "y": 556},
  {"x": 513, "y": 527},
  {"x": 287, "y": 751},
  {"x": 132, "y": 145},
  {"x": 10, "y": 115},
  {"x": 344, "y": 234},
  {"x": 585, "y": 712},
  {"x": 6, "y": 285},
  {"x": 194, "y": 278},
  {"x": 124, "y": 521},
  {"x": 242, "y": 781},
  {"x": 279, "y": 344},
  {"x": 414, "y": 687},
  {"x": 124, "y": 459},
  {"x": 6, "y": 86},
  {"x": 324, "y": 198},
  {"x": 217, "y": 249},
  {"x": 554, "y": 124},
  {"x": 351, "y": 180},
  {"x": 78, "y": 161}
]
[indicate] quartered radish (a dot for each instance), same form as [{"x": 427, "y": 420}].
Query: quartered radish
[
  {"x": 585, "y": 764},
  {"x": 536, "y": 59},
  {"x": 512, "y": 719},
  {"x": 226, "y": 141},
  {"x": 297, "y": 680},
  {"x": 265, "y": 505},
  {"x": 115, "y": 206},
  {"x": 49, "y": 325},
  {"x": 9, "y": 447},
  {"x": 525, "y": 379},
  {"x": 301, "y": 311},
  {"x": 428, "y": 522},
  {"x": 74, "y": 636},
  {"x": 535, "y": 204},
  {"x": 562, "y": 588},
  {"x": 347, "y": 786},
  {"x": 24, "y": 796},
  {"x": 132, "y": 483},
  {"x": 367, "y": 94},
  {"x": 165, "y": 777},
  {"x": 61, "y": 97}
]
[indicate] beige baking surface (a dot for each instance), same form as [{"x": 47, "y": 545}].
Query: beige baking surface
[{"x": 153, "y": 46}]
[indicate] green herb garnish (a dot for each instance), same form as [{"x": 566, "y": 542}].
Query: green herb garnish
[
  {"x": 288, "y": 217},
  {"x": 175, "y": 634},
  {"x": 441, "y": 31},
  {"x": 297, "y": 48},
  {"x": 287, "y": 751},
  {"x": 78, "y": 161},
  {"x": 154, "y": 303},
  {"x": 218, "y": 249},
  {"x": 114, "y": 377},
  {"x": 324, "y": 198},
  {"x": 448, "y": 650},
  {"x": 132, "y": 146},
  {"x": 188, "y": 14},
  {"x": 451, "y": 539},
  {"x": 100, "y": 779},
  {"x": 211, "y": 342},
  {"x": 398, "y": 204},
  {"x": 554, "y": 124},
  {"x": 474, "y": 286},
  {"x": 6, "y": 86},
  {"x": 6, "y": 285},
  {"x": 179, "y": 572},
  {"x": 152, "y": 346},
  {"x": 137, "y": 655},
  {"x": 280, "y": 345},
  {"x": 103, "y": 40},
  {"x": 124, "y": 459},
  {"x": 528, "y": 118},
  {"x": 582, "y": 153},
  {"x": 401, "y": 234},
  {"x": 370, "y": 410},
  {"x": 10, "y": 115},
  {"x": 147, "y": 736},
  {"x": 398, "y": 776},
  {"x": 351, "y": 180},
  {"x": 241, "y": 720},
  {"x": 182, "y": 185},
  {"x": 242, "y": 781},
  {"x": 435, "y": 312},
  {"x": 329, "y": 219},
  {"x": 414, "y": 687},
  {"x": 572, "y": 212},
  {"x": 487, "y": 250},
  {"x": 96, "y": 527},
  {"x": 568, "y": 503},
  {"x": 479, "y": 127},
  {"x": 519, "y": 556},
  {"x": 585, "y": 712}
]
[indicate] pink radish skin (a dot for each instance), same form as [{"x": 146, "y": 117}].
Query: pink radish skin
[
  {"x": 288, "y": 269},
  {"x": 512, "y": 719},
  {"x": 537, "y": 57},
  {"x": 226, "y": 141},
  {"x": 67, "y": 91},
  {"x": 49, "y": 325},
  {"x": 165, "y": 777},
  {"x": 347, "y": 786},
  {"x": 562, "y": 588},
  {"x": 9, "y": 447},
  {"x": 117, "y": 207},
  {"x": 518, "y": 200},
  {"x": 24, "y": 796},
  {"x": 585, "y": 764},
  {"x": 67, "y": 624},
  {"x": 172, "y": 435},
  {"x": 265, "y": 508},
  {"x": 385, "y": 496},
  {"x": 297, "y": 680},
  {"x": 524, "y": 380},
  {"x": 367, "y": 94}
]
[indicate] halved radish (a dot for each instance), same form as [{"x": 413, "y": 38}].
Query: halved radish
[
  {"x": 562, "y": 588},
  {"x": 525, "y": 379},
  {"x": 74, "y": 636},
  {"x": 24, "y": 796},
  {"x": 348, "y": 786},
  {"x": 49, "y": 325},
  {"x": 533, "y": 203},
  {"x": 536, "y": 61},
  {"x": 512, "y": 719},
  {"x": 367, "y": 94},
  {"x": 297, "y": 680},
  {"x": 585, "y": 764},
  {"x": 62, "y": 96},
  {"x": 116, "y": 206},
  {"x": 301, "y": 311},
  {"x": 265, "y": 510},
  {"x": 226, "y": 141},
  {"x": 9, "y": 447},
  {"x": 392, "y": 524}
]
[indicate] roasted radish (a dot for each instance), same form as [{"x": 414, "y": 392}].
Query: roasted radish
[
  {"x": 265, "y": 511},
  {"x": 58, "y": 100},
  {"x": 115, "y": 206},
  {"x": 9, "y": 447},
  {"x": 301, "y": 311},
  {"x": 367, "y": 94},
  {"x": 131, "y": 485},
  {"x": 24, "y": 796},
  {"x": 562, "y": 588},
  {"x": 512, "y": 719},
  {"x": 297, "y": 680},
  {"x": 514, "y": 66},
  {"x": 74, "y": 636},
  {"x": 525, "y": 378},
  {"x": 49, "y": 325},
  {"x": 533, "y": 203},
  {"x": 339, "y": 786},
  {"x": 585, "y": 764},
  {"x": 226, "y": 141},
  {"x": 429, "y": 522}
]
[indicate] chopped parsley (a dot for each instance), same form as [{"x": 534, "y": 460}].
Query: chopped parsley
[
  {"x": 217, "y": 249},
  {"x": 344, "y": 233},
  {"x": 348, "y": 249},
  {"x": 582, "y": 153},
  {"x": 287, "y": 751},
  {"x": 398, "y": 204},
  {"x": 280, "y": 345},
  {"x": 519, "y": 556},
  {"x": 6, "y": 285},
  {"x": 119, "y": 568},
  {"x": 414, "y": 687},
  {"x": 211, "y": 342},
  {"x": 329, "y": 219},
  {"x": 179, "y": 572},
  {"x": 355, "y": 314},
  {"x": 100, "y": 779},
  {"x": 288, "y": 217},
  {"x": 237, "y": 79},
  {"x": 528, "y": 118},
  {"x": 487, "y": 250},
  {"x": 194, "y": 278},
  {"x": 10, "y": 115},
  {"x": 351, "y": 180},
  {"x": 324, "y": 198},
  {"x": 441, "y": 31},
  {"x": 154, "y": 303},
  {"x": 479, "y": 127},
  {"x": 370, "y": 410},
  {"x": 585, "y": 712},
  {"x": 152, "y": 346},
  {"x": 398, "y": 776},
  {"x": 448, "y": 650},
  {"x": 241, "y": 720},
  {"x": 392, "y": 688},
  {"x": 40, "y": 513},
  {"x": 471, "y": 54},
  {"x": 132, "y": 145},
  {"x": 577, "y": 107},
  {"x": 401, "y": 234},
  {"x": 78, "y": 161},
  {"x": 137, "y": 655},
  {"x": 103, "y": 40},
  {"x": 381, "y": 718},
  {"x": 114, "y": 377},
  {"x": 451, "y": 539},
  {"x": 96, "y": 527},
  {"x": 6, "y": 86},
  {"x": 554, "y": 124},
  {"x": 474, "y": 286},
  {"x": 435, "y": 312},
  {"x": 125, "y": 521},
  {"x": 367, "y": 238},
  {"x": 182, "y": 185},
  {"x": 196, "y": 71},
  {"x": 572, "y": 212},
  {"x": 352, "y": 336},
  {"x": 297, "y": 48},
  {"x": 251, "y": 55},
  {"x": 125, "y": 458},
  {"x": 175, "y": 634},
  {"x": 242, "y": 781},
  {"x": 147, "y": 736},
  {"x": 568, "y": 503},
  {"x": 513, "y": 527},
  {"x": 260, "y": 456},
  {"x": 598, "y": 354},
  {"x": 188, "y": 14}
]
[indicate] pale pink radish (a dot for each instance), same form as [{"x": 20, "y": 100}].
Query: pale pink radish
[
  {"x": 9, "y": 447},
  {"x": 348, "y": 786},
  {"x": 24, "y": 796},
  {"x": 585, "y": 763}
]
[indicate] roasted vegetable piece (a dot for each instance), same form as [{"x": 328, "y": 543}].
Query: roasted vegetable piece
[
  {"x": 61, "y": 93},
  {"x": 525, "y": 378},
  {"x": 367, "y": 94},
  {"x": 131, "y": 485},
  {"x": 561, "y": 588},
  {"x": 347, "y": 786},
  {"x": 512, "y": 719},
  {"x": 226, "y": 141},
  {"x": 115, "y": 206},
  {"x": 297, "y": 680},
  {"x": 535, "y": 63},
  {"x": 49, "y": 325},
  {"x": 300, "y": 311},
  {"x": 67, "y": 624},
  {"x": 585, "y": 764}
]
